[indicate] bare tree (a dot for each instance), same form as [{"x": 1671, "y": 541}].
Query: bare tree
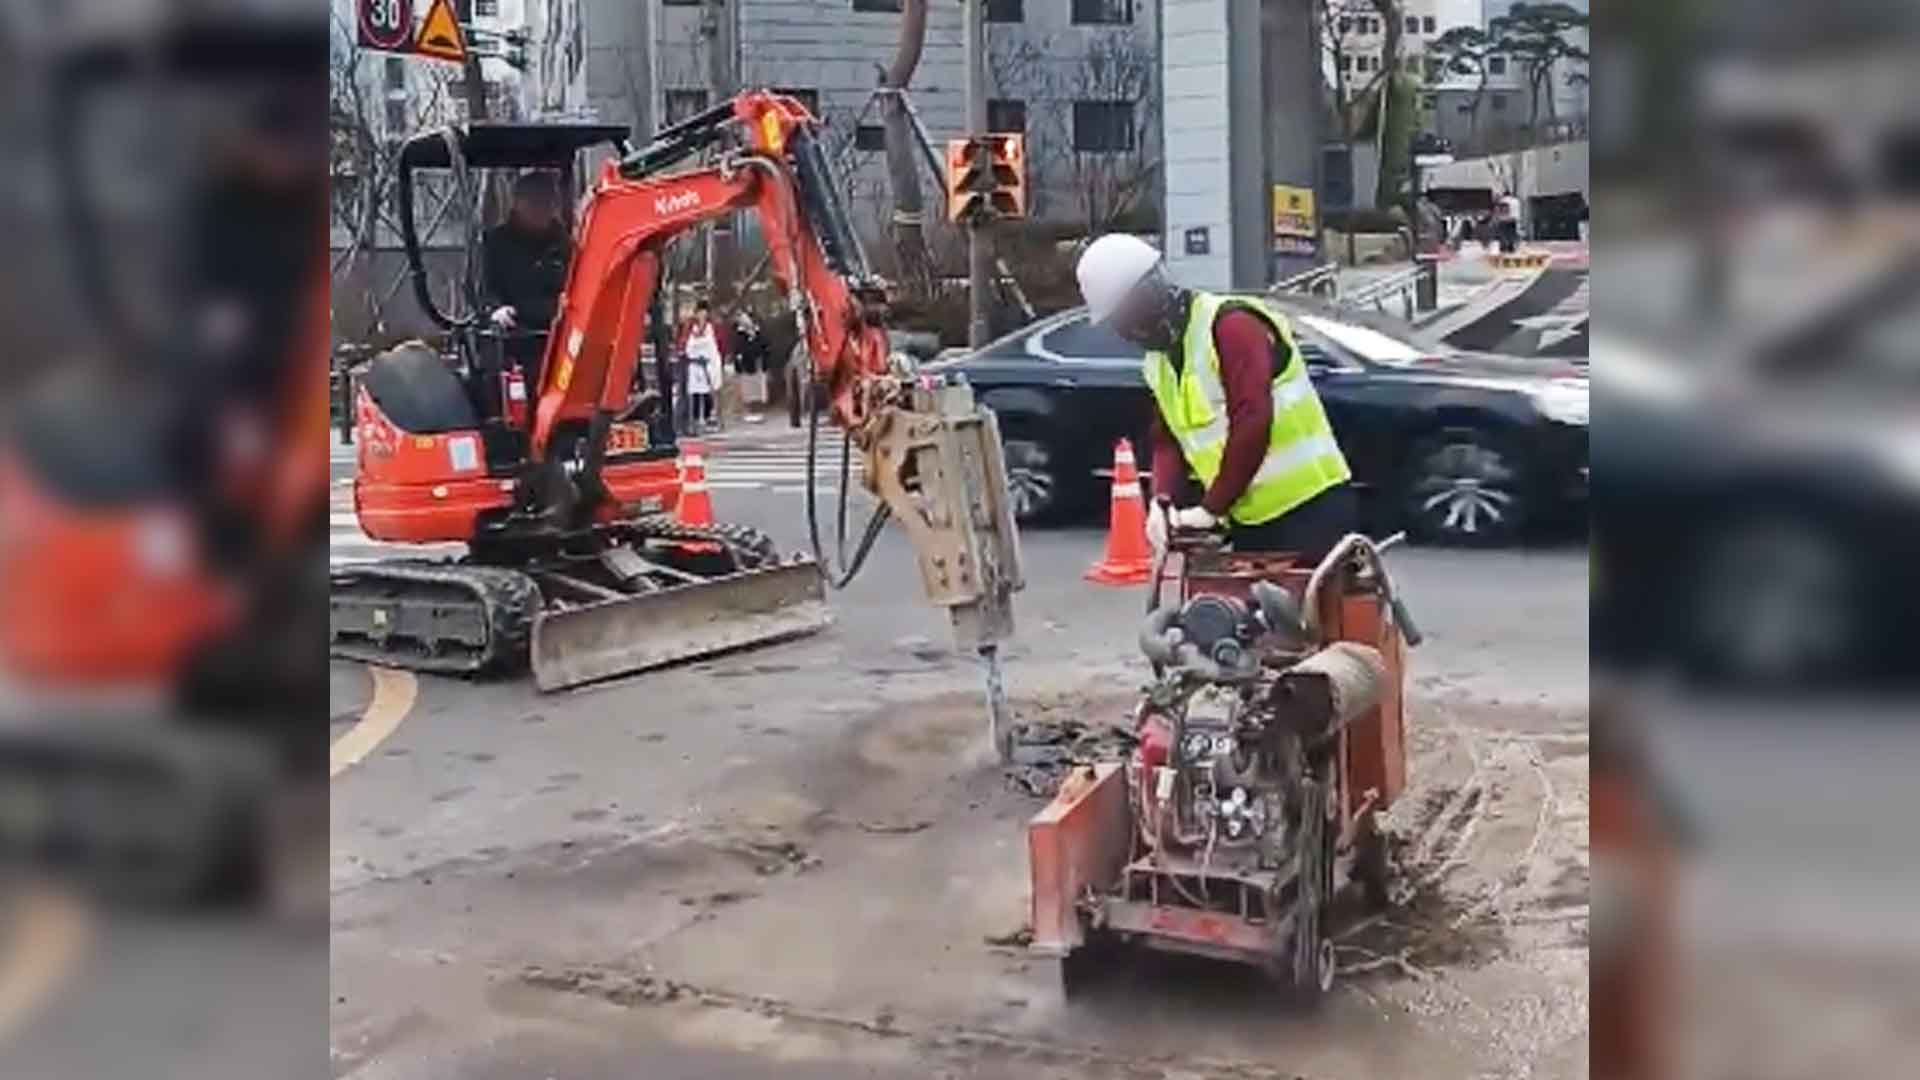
[
  {"x": 1337, "y": 31},
  {"x": 903, "y": 154},
  {"x": 1464, "y": 50},
  {"x": 1112, "y": 166},
  {"x": 365, "y": 134}
]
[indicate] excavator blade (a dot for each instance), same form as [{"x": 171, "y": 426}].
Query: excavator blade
[{"x": 649, "y": 630}]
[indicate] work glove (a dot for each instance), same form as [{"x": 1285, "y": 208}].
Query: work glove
[
  {"x": 1194, "y": 519},
  {"x": 504, "y": 317},
  {"x": 1158, "y": 514}
]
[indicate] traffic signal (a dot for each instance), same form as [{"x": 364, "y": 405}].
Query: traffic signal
[
  {"x": 1009, "y": 156},
  {"x": 987, "y": 176}
]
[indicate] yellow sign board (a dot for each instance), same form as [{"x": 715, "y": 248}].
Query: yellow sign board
[
  {"x": 1292, "y": 212},
  {"x": 440, "y": 36}
]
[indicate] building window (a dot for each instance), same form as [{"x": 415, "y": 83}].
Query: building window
[
  {"x": 1496, "y": 65},
  {"x": 396, "y": 115},
  {"x": 685, "y": 104},
  {"x": 1433, "y": 69},
  {"x": 805, "y": 95},
  {"x": 1346, "y": 26},
  {"x": 1427, "y": 24},
  {"x": 486, "y": 9},
  {"x": 1413, "y": 24},
  {"x": 1007, "y": 116},
  {"x": 870, "y": 137},
  {"x": 1102, "y": 12},
  {"x": 1346, "y": 61},
  {"x": 1103, "y": 127},
  {"x": 1499, "y": 103},
  {"x": 1012, "y": 11},
  {"x": 876, "y": 5},
  {"x": 396, "y": 73}
]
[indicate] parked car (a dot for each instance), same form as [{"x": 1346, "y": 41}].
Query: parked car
[
  {"x": 1760, "y": 502},
  {"x": 919, "y": 344},
  {"x": 1455, "y": 447}
]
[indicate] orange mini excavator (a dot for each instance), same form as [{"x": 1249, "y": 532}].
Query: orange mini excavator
[{"x": 574, "y": 559}]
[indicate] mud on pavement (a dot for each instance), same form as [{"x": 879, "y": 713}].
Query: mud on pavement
[{"x": 859, "y": 900}]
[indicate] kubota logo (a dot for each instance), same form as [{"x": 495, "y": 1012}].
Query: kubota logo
[{"x": 676, "y": 202}]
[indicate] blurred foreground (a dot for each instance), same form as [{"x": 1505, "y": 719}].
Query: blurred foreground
[
  {"x": 161, "y": 492},
  {"x": 1757, "y": 496}
]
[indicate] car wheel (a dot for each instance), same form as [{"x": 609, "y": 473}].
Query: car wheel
[
  {"x": 1463, "y": 487},
  {"x": 1776, "y": 604},
  {"x": 1033, "y": 480}
]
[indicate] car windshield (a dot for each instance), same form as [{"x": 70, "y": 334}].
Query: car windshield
[
  {"x": 1076, "y": 338},
  {"x": 1368, "y": 344}
]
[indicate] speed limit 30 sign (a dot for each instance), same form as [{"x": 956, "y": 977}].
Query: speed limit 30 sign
[{"x": 386, "y": 24}]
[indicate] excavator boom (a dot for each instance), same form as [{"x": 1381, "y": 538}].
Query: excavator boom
[
  {"x": 931, "y": 454},
  {"x": 571, "y": 537}
]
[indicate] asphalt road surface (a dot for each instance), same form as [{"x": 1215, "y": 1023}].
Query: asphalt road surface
[{"x": 793, "y": 861}]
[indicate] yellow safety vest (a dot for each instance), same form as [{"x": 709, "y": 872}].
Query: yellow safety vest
[{"x": 1302, "y": 459}]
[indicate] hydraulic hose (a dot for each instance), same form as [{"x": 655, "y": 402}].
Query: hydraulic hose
[{"x": 842, "y": 570}]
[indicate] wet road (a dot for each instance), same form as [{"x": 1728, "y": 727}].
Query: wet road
[{"x": 790, "y": 859}]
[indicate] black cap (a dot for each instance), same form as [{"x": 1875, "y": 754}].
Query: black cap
[{"x": 538, "y": 185}]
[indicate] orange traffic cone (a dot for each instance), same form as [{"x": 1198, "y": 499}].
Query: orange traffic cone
[
  {"x": 1129, "y": 559},
  {"x": 695, "y": 506}
]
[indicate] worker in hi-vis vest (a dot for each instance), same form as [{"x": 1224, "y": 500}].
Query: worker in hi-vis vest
[{"x": 1234, "y": 409}]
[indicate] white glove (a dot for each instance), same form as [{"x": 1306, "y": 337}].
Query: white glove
[
  {"x": 1157, "y": 526},
  {"x": 504, "y": 317},
  {"x": 1194, "y": 518}
]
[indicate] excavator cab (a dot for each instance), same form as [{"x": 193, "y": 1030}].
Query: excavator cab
[{"x": 495, "y": 368}]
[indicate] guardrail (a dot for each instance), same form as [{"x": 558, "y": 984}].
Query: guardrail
[
  {"x": 1417, "y": 287},
  {"x": 1322, "y": 281}
]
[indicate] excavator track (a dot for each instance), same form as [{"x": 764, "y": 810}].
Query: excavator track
[
  {"x": 448, "y": 617},
  {"x": 475, "y": 618}
]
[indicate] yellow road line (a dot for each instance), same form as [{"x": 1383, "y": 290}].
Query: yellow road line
[
  {"x": 393, "y": 694},
  {"x": 50, "y": 936}
]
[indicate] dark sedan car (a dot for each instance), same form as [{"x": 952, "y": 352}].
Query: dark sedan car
[{"x": 1454, "y": 447}]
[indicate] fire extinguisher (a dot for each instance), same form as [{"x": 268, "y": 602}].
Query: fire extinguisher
[{"x": 514, "y": 393}]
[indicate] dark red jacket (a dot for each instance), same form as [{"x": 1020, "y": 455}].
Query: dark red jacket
[{"x": 1246, "y": 346}]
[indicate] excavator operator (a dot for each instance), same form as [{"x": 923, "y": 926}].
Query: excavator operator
[
  {"x": 524, "y": 266},
  {"x": 1234, "y": 407}
]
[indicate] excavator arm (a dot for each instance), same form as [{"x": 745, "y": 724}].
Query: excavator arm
[{"x": 932, "y": 454}]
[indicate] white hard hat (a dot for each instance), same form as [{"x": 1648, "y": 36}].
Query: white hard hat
[{"x": 1110, "y": 267}]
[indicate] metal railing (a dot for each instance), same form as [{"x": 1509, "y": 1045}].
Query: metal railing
[
  {"x": 1322, "y": 281},
  {"x": 1417, "y": 288}
]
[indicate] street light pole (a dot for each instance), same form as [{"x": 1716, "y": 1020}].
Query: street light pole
[{"x": 979, "y": 244}]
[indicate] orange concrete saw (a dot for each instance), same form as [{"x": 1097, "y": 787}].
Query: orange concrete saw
[{"x": 1267, "y": 747}]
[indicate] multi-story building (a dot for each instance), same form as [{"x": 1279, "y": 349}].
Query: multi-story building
[
  {"x": 1361, "y": 35},
  {"x": 1568, "y": 79},
  {"x": 1079, "y": 78}
]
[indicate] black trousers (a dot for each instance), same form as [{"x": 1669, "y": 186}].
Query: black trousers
[{"x": 1309, "y": 530}]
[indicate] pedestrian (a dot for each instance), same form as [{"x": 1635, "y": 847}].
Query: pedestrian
[
  {"x": 1234, "y": 407},
  {"x": 750, "y": 363},
  {"x": 1506, "y": 219},
  {"x": 701, "y": 342}
]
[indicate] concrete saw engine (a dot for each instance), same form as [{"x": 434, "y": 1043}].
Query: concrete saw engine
[{"x": 1270, "y": 739}]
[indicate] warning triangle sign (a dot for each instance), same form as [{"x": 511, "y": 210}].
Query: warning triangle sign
[{"x": 440, "y": 36}]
